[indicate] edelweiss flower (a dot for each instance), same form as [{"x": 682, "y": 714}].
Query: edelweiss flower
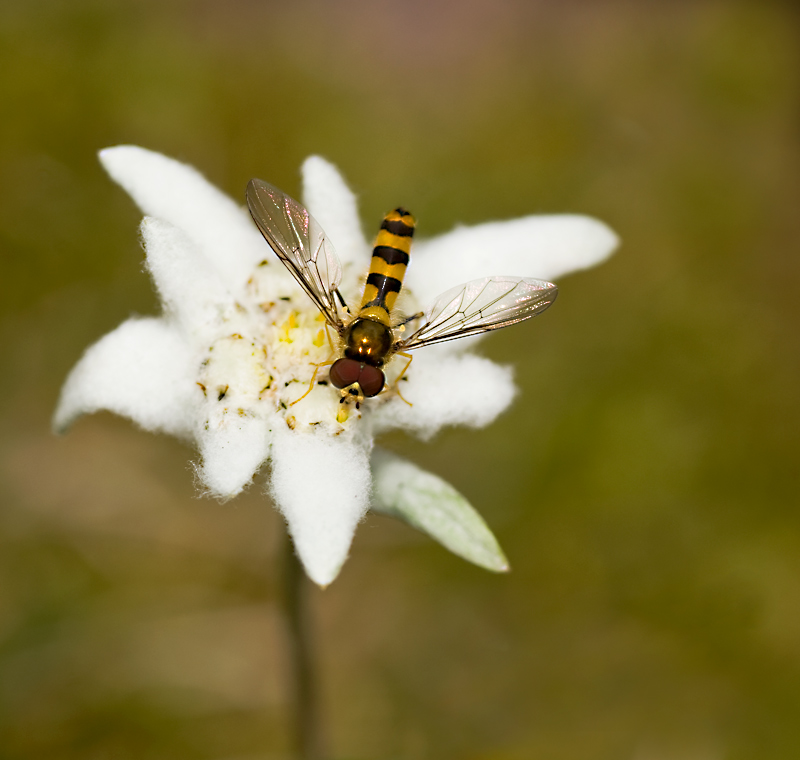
[{"x": 238, "y": 339}]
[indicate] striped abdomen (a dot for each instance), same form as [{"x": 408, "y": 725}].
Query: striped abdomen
[{"x": 389, "y": 261}]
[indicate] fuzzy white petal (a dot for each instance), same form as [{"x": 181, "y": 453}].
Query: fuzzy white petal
[
  {"x": 179, "y": 194},
  {"x": 331, "y": 202},
  {"x": 188, "y": 285},
  {"x": 544, "y": 247},
  {"x": 233, "y": 447},
  {"x": 322, "y": 486},
  {"x": 446, "y": 389},
  {"x": 142, "y": 370}
]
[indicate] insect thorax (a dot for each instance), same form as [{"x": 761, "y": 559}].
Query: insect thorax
[{"x": 367, "y": 341}]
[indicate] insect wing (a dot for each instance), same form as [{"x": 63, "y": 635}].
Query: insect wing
[
  {"x": 479, "y": 306},
  {"x": 300, "y": 243}
]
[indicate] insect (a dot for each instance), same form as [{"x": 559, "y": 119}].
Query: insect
[{"x": 371, "y": 337}]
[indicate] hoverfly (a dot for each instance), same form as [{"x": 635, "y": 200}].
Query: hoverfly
[{"x": 370, "y": 338}]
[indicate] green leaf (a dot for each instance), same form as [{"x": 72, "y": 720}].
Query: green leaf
[{"x": 433, "y": 506}]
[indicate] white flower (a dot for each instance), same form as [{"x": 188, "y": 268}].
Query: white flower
[{"x": 237, "y": 340}]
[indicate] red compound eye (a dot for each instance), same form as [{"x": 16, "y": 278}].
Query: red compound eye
[
  {"x": 371, "y": 380},
  {"x": 345, "y": 372}
]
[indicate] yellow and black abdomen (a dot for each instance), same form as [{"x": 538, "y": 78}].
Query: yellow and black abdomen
[{"x": 389, "y": 261}]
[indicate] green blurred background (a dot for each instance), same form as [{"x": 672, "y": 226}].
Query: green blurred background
[{"x": 644, "y": 486}]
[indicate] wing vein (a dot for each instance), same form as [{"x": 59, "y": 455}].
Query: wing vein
[
  {"x": 289, "y": 228},
  {"x": 479, "y": 306}
]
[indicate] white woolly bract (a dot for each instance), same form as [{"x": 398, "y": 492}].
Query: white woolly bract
[
  {"x": 445, "y": 389},
  {"x": 189, "y": 286},
  {"x": 322, "y": 486},
  {"x": 179, "y": 194},
  {"x": 142, "y": 370},
  {"x": 544, "y": 247},
  {"x": 233, "y": 446}
]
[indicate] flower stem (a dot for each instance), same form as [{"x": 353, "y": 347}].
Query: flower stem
[{"x": 306, "y": 734}]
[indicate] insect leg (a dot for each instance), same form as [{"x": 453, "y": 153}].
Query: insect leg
[
  {"x": 410, "y": 358},
  {"x": 328, "y": 336},
  {"x": 311, "y": 384}
]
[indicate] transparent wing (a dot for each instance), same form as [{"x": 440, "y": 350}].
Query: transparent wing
[
  {"x": 479, "y": 306},
  {"x": 300, "y": 244}
]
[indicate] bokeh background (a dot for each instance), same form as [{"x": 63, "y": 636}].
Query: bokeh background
[{"x": 644, "y": 487}]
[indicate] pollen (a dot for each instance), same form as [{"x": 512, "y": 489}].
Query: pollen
[
  {"x": 289, "y": 324},
  {"x": 319, "y": 341}
]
